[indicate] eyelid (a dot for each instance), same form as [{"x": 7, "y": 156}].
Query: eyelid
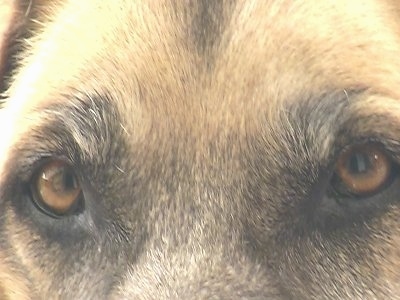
[
  {"x": 40, "y": 144},
  {"x": 391, "y": 147},
  {"x": 29, "y": 164}
]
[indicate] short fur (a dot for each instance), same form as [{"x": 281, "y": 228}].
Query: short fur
[{"x": 205, "y": 135}]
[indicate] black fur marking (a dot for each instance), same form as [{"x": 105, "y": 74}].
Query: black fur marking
[{"x": 207, "y": 25}]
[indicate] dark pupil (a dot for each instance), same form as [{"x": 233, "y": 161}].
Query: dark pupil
[
  {"x": 68, "y": 180},
  {"x": 359, "y": 163}
]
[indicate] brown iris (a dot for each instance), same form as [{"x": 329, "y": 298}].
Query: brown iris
[
  {"x": 364, "y": 169},
  {"x": 56, "y": 188}
]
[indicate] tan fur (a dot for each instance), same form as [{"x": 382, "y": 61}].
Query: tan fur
[{"x": 196, "y": 119}]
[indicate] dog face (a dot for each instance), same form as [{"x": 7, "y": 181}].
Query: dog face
[{"x": 201, "y": 149}]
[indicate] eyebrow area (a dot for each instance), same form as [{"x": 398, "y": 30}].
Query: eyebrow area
[{"x": 82, "y": 129}]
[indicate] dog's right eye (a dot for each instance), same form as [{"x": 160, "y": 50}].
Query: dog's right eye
[{"x": 55, "y": 188}]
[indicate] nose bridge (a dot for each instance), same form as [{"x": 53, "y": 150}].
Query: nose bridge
[
  {"x": 197, "y": 194},
  {"x": 195, "y": 248},
  {"x": 194, "y": 222},
  {"x": 211, "y": 272}
]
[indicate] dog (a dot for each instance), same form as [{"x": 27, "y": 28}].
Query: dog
[{"x": 233, "y": 149}]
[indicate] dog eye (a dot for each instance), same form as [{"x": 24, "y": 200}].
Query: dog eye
[
  {"x": 55, "y": 188},
  {"x": 362, "y": 170}
]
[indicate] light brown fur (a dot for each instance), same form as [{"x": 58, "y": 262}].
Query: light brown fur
[{"x": 205, "y": 128}]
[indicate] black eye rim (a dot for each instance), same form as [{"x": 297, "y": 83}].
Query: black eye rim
[
  {"x": 338, "y": 187},
  {"x": 77, "y": 206}
]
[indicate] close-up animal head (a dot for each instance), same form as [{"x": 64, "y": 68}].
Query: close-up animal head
[{"x": 237, "y": 149}]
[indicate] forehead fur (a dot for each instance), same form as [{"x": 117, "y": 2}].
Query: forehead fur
[
  {"x": 177, "y": 63},
  {"x": 196, "y": 68}
]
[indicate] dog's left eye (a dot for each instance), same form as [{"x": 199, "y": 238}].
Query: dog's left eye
[
  {"x": 363, "y": 170},
  {"x": 55, "y": 188}
]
